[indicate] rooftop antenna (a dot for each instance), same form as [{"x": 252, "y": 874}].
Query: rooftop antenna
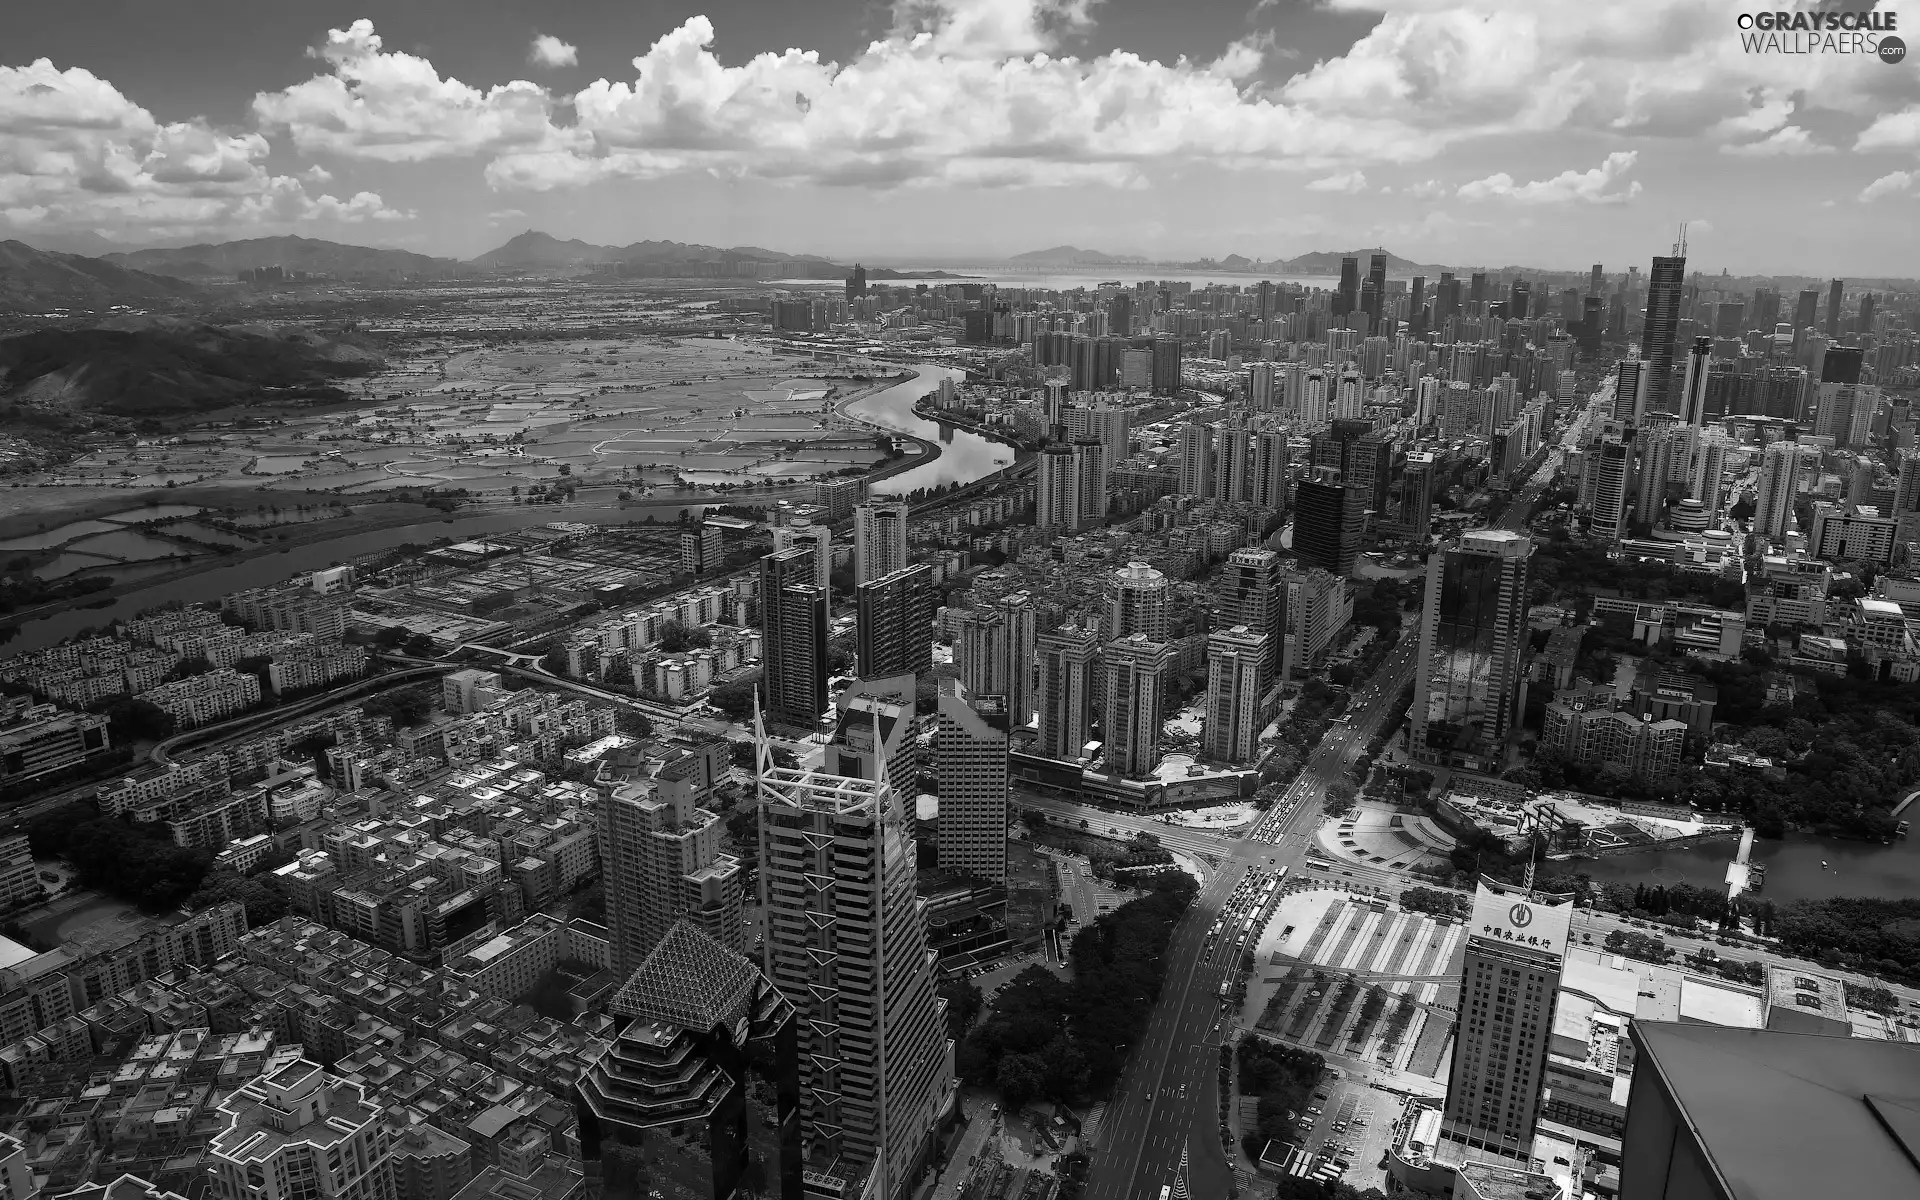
[{"x": 1680, "y": 247}]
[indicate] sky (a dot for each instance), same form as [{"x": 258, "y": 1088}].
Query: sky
[{"x": 1547, "y": 133}]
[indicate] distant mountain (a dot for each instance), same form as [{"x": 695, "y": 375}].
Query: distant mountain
[
  {"x": 1327, "y": 262},
  {"x": 140, "y": 366},
  {"x": 224, "y": 260},
  {"x": 36, "y": 280},
  {"x": 1073, "y": 256},
  {"x": 536, "y": 251}
]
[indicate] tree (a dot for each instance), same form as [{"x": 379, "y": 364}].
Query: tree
[
  {"x": 1021, "y": 1078},
  {"x": 677, "y": 636},
  {"x": 632, "y": 722},
  {"x": 421, "y": 646},
  {"x": 1340, "y": 798},
  {"x": 132, "y": 719},
  {"x": 735, "y": 697}
]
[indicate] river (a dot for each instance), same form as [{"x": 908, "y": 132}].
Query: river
[
  {"x": 1794, "y": 867},
  {"x": 964, "y": 455}
]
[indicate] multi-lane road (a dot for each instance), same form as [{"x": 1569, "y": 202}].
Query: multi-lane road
[{"x": 1168, "y": 1099}]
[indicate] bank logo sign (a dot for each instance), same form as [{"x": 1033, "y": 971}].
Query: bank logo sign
[{"x": 1531, "y": 923}]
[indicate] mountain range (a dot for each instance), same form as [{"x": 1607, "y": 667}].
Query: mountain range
[
  {"x": 36, "y": 280},
  {"x": 145, "y": 365},
  {"x": 1317, "y": 262},
  {"x": 224, "y": 260}
]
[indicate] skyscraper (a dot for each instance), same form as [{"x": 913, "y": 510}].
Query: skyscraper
[
  {"x": 1236, "y": 688},
  {"x": 1136, "y": 679},
  {"x": 1251, "y": 594},
  {"x": 1018, "y": 614},
  {"x": 1319, "y": 608},
  {"x": 1630, "y": 391},
  {"x": 1709, "y": 474},
  {"x": 1196, "y": 459},
  {"x": 1230, "y": 463},
  {"x": 1666, "y": 289},
  {"x": 1417, "y": 485},
  {"x": 661, "y": 860},
  {"x": 1057, "y": 489},
  {"x": 1377, "y": 277},
  {"x": 1166, "y": 366},
  {"x": 1780, "y": 469},
  {"x": 1468, "y": 684},
  {"x": 794, "y": 641},
  {"x": 1834, "y": 294},
  {"x": 993, "y": 648},
  {"x": 1137, "y": 603},
  {"x": 1509, "y": 985},
  {"x": 1806, "y": 311},
  {"x": 1104, "y": 423},
  {"x": 1347, "y": 299},
  {"x": 1270, "y": 458},
  {"x": 1611, "y": 495},
  {"x": 1065, "y": 693},
  {"x": 893, "y": 632},
  {"x": 1596, "y": 285},
  {"x": 819, "y": 539},
  {"x": 970, "y": 754},
  {"x": 1328, "y": 519},
  {"x": 1417, "y": 304},
  {"x": 846, "y": 944},
  {"x": 1694, "y": 392},
  {"x": 1519, "y": 298},
  {"x": 701, "y": 1086},
  {"x": 879, "y": 539}
]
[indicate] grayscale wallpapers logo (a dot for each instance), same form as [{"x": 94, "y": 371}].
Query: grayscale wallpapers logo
[
  {"x": 1520, "y": 915},
  {"x": 1801, "y": 33}
]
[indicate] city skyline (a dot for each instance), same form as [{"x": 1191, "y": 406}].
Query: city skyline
[{"x": 871, "y": 131}]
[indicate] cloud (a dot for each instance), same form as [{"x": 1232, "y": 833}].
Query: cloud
[
  {"x": 550, "y": 51},
  {"x": 1897, "y": 183},
  {"x": 77, "y": 154},
  {"x": 1429, "y": 189},
  {"x": 1892, "y": 131},
  {"x": 1787, "y": 141},
  {"x": 990, "y": 29},
  {"x": 1347, "y": 181},
  {"x": 506, "y": 214},
  {"x": 394, "y": 107},
  {"x": 1596, "y": 186}
]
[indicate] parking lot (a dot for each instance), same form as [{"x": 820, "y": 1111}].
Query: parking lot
[{"x": 1352, "y": 1131}]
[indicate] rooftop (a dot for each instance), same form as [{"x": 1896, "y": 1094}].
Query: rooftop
[
  {"x": 689, "y": 980},
  {"x": 1761, "y": 1102}
]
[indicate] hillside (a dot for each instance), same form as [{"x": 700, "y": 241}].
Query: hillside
[
  {"x": 1327, "y": 262},
  {"x": 140, "y": 366},
  {"x": 1073, "y": 256},
  {"x": 536, "y": 251},
  {"x": 224, "y": 260},
  {"x": 36, "y": 280}
]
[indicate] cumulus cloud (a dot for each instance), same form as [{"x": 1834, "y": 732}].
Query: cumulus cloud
[
  {"x": 1788, "y": 140},
  {"x": 1897, "y": 183},
  {"x": 77, "y": 154},
  {"x": 1892, "y": 131},
  {"x": 1427, "y": 189},
  {"x": 550, "y": 51},
  {"x": 989, "y": 28},
  {"x": 1597, "y": 186},
  {"x": 1346, "y": 181},
  {"x": 395, "y": 107}
]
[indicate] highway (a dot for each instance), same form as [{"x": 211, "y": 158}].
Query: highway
[{"x": 1168, "y": 1098}]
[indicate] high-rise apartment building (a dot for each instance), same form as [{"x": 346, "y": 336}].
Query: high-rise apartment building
[
  {"x": 1318, "y": 609},
  {"x": 1269, "y": 478},
  {"x": 794, "y": 638},
  {"x": 1065, "y": 693},
  {"x": 1056, "y": 489},
  {"x": 1236, "y": 690},
  {"x": 970, "y": 755},
  {"x": 1509, "y": 984},
  {"x": 1251, "y": 593},
  {"x": 661, "y": 860},
  {"x": 1418, "y": 483},
  {"x": 893, "y": 631},
  {"x": 1102, "y": 422},
  {"x": 993, "y": 648},
  {"x": 699, "y": 1091},
  {"x": 1230, "y": 462},
  {"x": 879, "y": 539},
  {"x": 817, "y": 538},
  {"x": 1196, "y": 459},
  {"x": 846, "y": 944},
  {"x": 1666, "y": 292},
  {"x": 1468, "y": 681},
  {"x": 1136, "y": 679},
  {"x": 1329, "y": 518},
  {"x": 1137, "y": 602},
  {"x": 1710, "y": 474},
  {"x": 301, "y": 1133},
  {"x": 701, "y": 549},
  {"x": 1166, "y": 366},
  {"x": 1782, "y": 465}
]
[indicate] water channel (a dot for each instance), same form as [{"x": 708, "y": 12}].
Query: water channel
[
  {"x": 964, "y": 457},
  {"x": 1798, "y": 868}
]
